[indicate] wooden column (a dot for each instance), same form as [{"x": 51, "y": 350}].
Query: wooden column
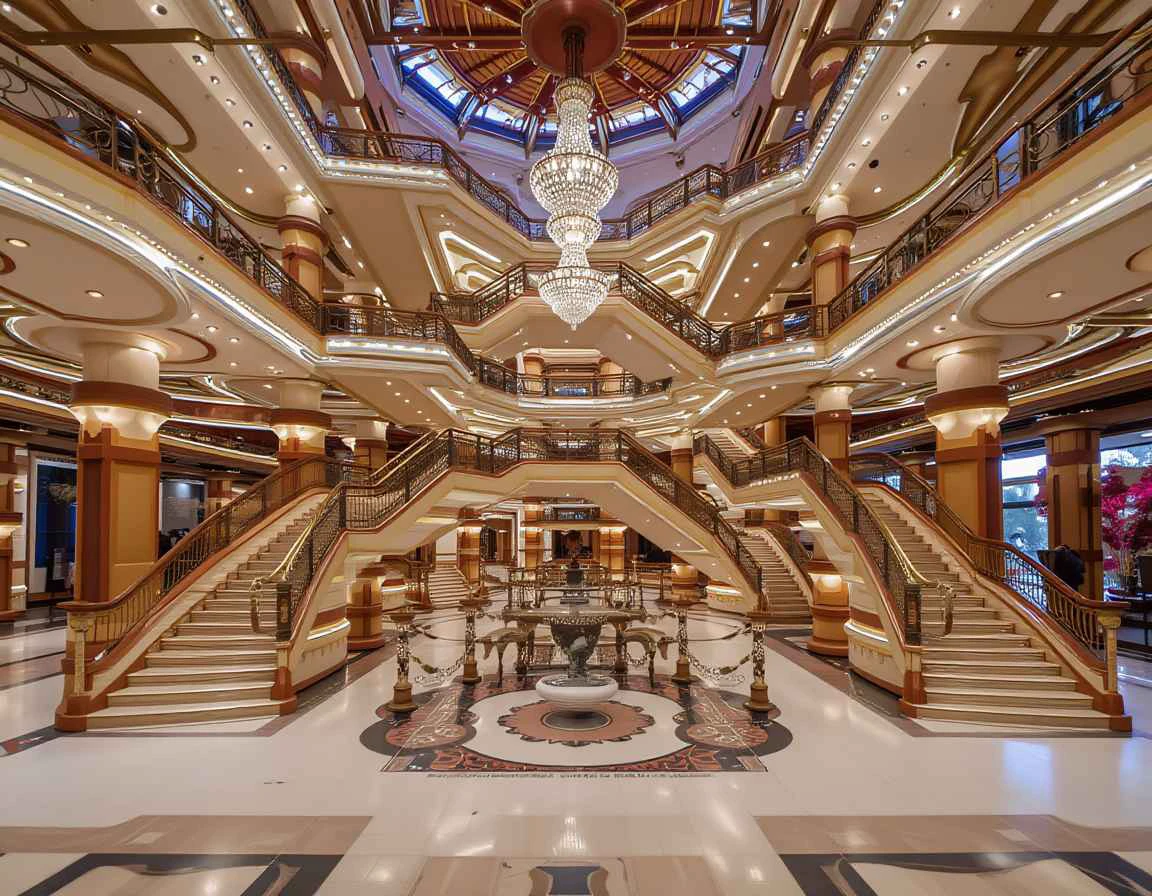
[
  {"x": 10, "y": 522},
  {"x": 829, "y": 609},
  {"x": 829, "y": 243},
  {"x": 832, "y": 421},
  {"x": 533, "y": 536},
  {"x": 685, "y": 578},
  {"x": 468, "y": 546},
  {"x": 1073, "y": 473},
  {"x": 118, "y": 485},
  {"x": 303, "y": 243}
]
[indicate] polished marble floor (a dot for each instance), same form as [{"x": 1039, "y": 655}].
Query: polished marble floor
[{"x": 857, "y": 800}]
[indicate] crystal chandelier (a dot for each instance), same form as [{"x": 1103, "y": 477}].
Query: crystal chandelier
[
  {"x": 573, "y": 182},
  {"x": 574, "y": 289}
]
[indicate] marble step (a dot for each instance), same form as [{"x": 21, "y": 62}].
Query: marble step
[
  {"x": 238, "y": 616},
  {"x": 215, "y": 658},
  {"x": 983, "y": 654},
  {"x": 137, "y": 716},
  {"x": 997, "y": 682},
  {"x": 1017, "y": 715},
  {"x": 1003, "y": 697},
  {"x": 240, "y": 640},
  {"x": 1008, "y": 668},
  {"x": 960, "y": 640},
  {"x": 204, "y": 692},
  {"x": 211, "y": 628},
  {"x": 202, "y": 674}
]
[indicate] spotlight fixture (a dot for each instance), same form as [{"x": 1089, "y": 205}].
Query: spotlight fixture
[
  {"x": 94, "y": 293},
  {"x": 17, "y": 242}
]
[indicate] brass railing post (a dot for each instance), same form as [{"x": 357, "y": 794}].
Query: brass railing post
[
  {"x": 683, "y": 674},
  {"x": 401, "y": 701},
  {"x": 470, "y": 605},
  {"x": 758, "y": 691}
]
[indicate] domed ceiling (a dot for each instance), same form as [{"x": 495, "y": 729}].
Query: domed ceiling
[{"x": 469, "y": 61}]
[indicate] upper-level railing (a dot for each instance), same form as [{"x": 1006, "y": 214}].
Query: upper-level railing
[
  {"x": 903, "y": 584},
  {"x": 106, "y": 623},
  {"x": 36, "y": 94},
  {"x": 1073, "y": 614},
  {"x": 432, "y": 326},
  {"x": 1097, "y": 93},
  {"x": 353, "y": 506},
  {"x": 216, "y": 439}
]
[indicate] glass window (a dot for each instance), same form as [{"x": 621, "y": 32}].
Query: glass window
[
  {"x": 1022, "y": 466},
  {"x": 1026, "y": 529}
]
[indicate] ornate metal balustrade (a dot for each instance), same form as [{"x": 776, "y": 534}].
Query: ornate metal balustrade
[
  {"x": 1075, "y": 615},
  {"x": 903, "y": 585},
  {"x": 366, "y": 506},
  {"x": 787, "y": 539},
  {"x": 216, "y": 439}
]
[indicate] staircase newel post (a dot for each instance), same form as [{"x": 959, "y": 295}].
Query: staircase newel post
[
  {"x": 283, "y": 611},
  {"x": 683, "y": 674}
]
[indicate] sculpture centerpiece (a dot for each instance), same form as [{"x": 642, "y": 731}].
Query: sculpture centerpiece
[{"x": 576, "y": 600}]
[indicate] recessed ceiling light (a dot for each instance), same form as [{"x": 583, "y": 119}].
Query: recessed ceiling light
[
  {"x": 628, "y": 336},
  {"x": 866, "y": 142},
  {"x": 1055, "y": 295},
  {"x": 912, "y": 343},
  {"x": 877, "y": 189},
  {"x": 158, "y": 9},
  {"x": 407, "y": 401},
  {"x": 267, "y": 147},
  {"x": 229, "y": 101},
  {"x": 249, "y": 190},
  {"x": 212, "y": 329},
  {"x": 195, "y": 315},
  {"x": 387, "y": 382},
  {"x": 954, "y": 12},
  {"x": 199, "y": 60},
  {"x": 774, "y": 388},
  {"x": 747, "y": 279},
  {"x": 17, "y": 242},
  {"x": 281, "y": 168},
  {"x": 267, "y": 385},
  {"x": 231, "y": 363},
  {"x": 953, "y": 317},
  {"x": 939, "y": 328},
  {"x": 239, "y": 170},
  {"x": 902, "y": 90},
  {"x": 884, "y": 116},
  {"x": 851, "y": 165},
  {"x": 94, "y": 293},
  {"x": 233, "y": 339},
  {"x": 246, "y": 123},
  {"x": 766, "y": 243},
  {"x": 755, "y": 264},
  {"x": 836, "y": 187},
  {"x": 270, "y": 367}
]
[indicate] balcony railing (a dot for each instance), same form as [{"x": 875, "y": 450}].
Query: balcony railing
[
  {"x": 362, "y": 507},
  {"x": 35, "y": 94},
  {"x": 902, "y": 583},
  {"x": 1076, "y": 616},
  {"x": 1097, "y": 94}
]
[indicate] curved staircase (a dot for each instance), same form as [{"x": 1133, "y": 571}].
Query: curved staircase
[
  {"x": 983, "y": 670},
  {"x": 787, "y": 603},
  {"x": 211, "y": 666},
  {"x": 447, "y": 586}
]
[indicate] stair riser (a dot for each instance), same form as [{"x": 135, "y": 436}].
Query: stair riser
[
  {"x": 204, "y": 676},
  {"x": 178, "y": 717},
  {"x": 976, "y": 655},
  {"x": 1037, "y": 720},
  {"x": 1042, "y": 700},
  {"x": 232, "y": 658},
  {"x": 1008, "y": 683},
  {"x": 992, "y": 668},
  {"x": 177, "y": 696}
]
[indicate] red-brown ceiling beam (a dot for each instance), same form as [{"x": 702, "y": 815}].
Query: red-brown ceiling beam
[
  {"x": 515, "y": 74},
  {"x": 645, "y": 93},
  {"x": 643, "y": 8},
  {"x": 653, "y": 39},
  {"x": 510, "y": 12}
]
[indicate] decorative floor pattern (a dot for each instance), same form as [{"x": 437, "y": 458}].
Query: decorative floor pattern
[{"x": 504, "y": 727}]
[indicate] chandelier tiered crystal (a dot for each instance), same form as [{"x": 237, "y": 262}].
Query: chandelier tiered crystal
[{"x": 573, "y": 182}]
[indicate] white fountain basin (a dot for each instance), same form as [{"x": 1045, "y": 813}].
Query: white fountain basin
[{"x": 576, "y": 693}]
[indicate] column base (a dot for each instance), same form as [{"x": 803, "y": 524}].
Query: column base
[
  {"x": 369, "y": 643},
  {"x": 401, "y": 699},
  {"x": 758, "y": 699},
  {"x": 471, "y": 673},
  {"x": 826, "y": 648},
  {"x": 683, "y": 673}
]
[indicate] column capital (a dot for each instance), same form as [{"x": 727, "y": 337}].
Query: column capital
[
  {"x": 832, "y": 396},
  {"x": 958, "y": 413}
]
